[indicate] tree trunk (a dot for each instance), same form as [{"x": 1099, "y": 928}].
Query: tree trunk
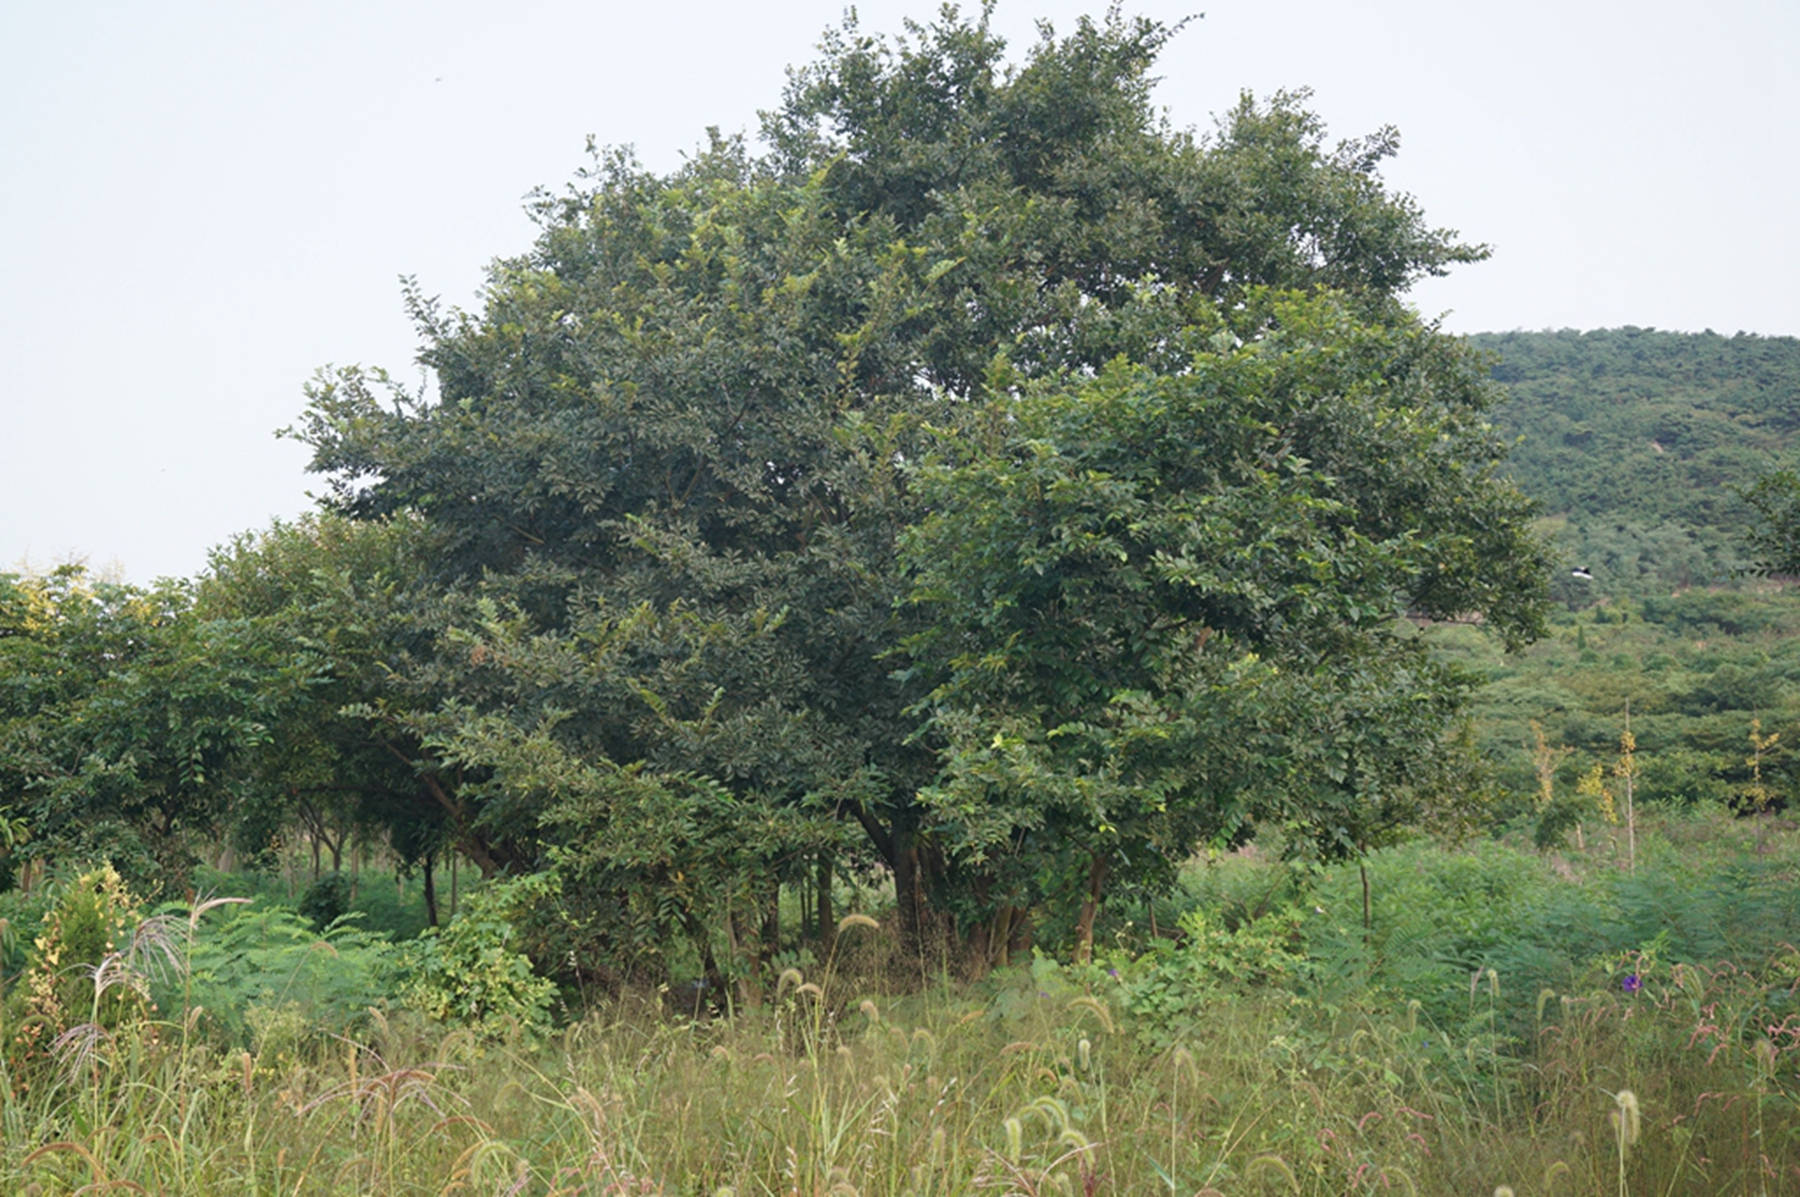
[
  {"x": 1000, "y": 935},
  {"x": 770, "y": 946},
  {"x": 908, "y": 904},
  {"x": 1362, "y": 867},
  {"x": 917, "y": 864},
  {"x": 739, "y": 942},
  {"x": 827, "y": 921},
  {"x": 431, "y": 906},
  {"x": 1090, "y": 906}
]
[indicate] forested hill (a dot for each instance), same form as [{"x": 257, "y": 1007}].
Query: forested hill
[{"x": 1637, "y": 441}]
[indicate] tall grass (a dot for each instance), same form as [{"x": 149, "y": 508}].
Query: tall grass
[{"x": 1482, "y": 1045}]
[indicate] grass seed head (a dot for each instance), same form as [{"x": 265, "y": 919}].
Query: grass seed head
[
  {"x": 1626, "y": 1119},
  {"x": 1275, "y": 1164}
]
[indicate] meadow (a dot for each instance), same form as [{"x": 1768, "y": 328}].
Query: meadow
[{"x": 1507, "y": 1019}]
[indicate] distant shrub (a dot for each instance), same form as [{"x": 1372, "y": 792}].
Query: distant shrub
[
  {"x": 472, "y": 971},
  {"x": 1176, "y": 986},
  {"x": 326, "y": 900}
]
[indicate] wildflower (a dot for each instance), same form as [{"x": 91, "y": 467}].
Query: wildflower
[
  {"x": 1632, "y": 983},
  {"x": 1113, "y": 973}
]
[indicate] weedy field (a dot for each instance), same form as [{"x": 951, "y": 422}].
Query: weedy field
[{"x": 1505, "y": 1020}]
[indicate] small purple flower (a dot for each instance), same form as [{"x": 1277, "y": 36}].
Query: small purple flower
[
  {"x": 1632, "y": 983},
  {"x": 1112, "y": 972}
]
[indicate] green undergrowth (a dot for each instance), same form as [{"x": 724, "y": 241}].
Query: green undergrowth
[
  {"x": 1555, "y": 1024},
  {"x": 373, "y": 898}
]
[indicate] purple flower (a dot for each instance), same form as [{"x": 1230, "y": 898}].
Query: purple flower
[
  {"x": 1112, "y": 972},
  {"x": 1632, "y": 983}
]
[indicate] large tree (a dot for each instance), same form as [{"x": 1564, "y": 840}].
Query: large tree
[{"x": 673, "y": 455}]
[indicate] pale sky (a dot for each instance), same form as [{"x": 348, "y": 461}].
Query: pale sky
[{"x": 202, "y": 203}]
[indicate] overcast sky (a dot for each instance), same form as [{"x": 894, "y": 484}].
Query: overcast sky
[{"x": 202, "y": 203}]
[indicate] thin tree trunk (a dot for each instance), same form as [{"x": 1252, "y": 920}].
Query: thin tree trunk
[
  {"x": 771, "y": 930},
  {"x": 749, "y": 982},
  {"x": 431, "y": 905},
  {"x": 1090, "y": 906},
  {"x": 1362, "y": 867},
  {"x": 1010, "y": 935},
  {"x": 827, "y": 921}
]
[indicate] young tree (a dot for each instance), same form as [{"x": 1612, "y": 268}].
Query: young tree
[{"x": 348, "y": 599}]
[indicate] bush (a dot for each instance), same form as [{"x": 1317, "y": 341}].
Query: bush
[
  {"x": 471, "y": 971},
  {"x": 326, "y": 900},
  {"x": 85, "y": 967},
  {"x": 1173, "y": 988}
]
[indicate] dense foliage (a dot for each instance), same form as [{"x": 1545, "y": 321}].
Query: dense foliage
[
  {"x": 123, "y": 714},
  {"x": 1162, "y": 604}
]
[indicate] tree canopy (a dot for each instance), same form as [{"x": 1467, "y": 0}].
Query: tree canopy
[{"x": 741, "y": 477}]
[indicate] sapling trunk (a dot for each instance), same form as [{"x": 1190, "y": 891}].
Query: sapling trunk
[
  {"x": 431, "y": 903},
  {"x": 827, "y": 924},
  {"x": 1362, "y": 867},
  {"x": 1090, "y": 906}
]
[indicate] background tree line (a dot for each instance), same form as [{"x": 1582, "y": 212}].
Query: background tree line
[{"x": 1639, "y": 445}]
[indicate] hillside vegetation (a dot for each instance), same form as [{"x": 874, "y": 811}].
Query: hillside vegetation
[{"x": 1637, "y": 443}]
